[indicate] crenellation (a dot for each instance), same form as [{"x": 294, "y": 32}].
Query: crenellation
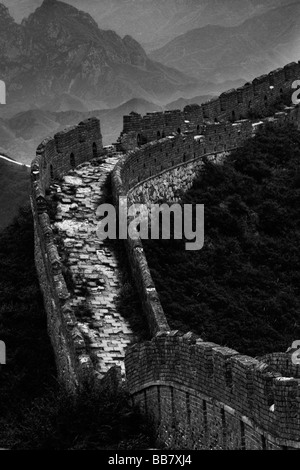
[
  {"x": 215, "y": 379},
  {"x": 53, "y": 161},
  {"x": 250, "y": 394},
  {"x": 291, "y": 70},
  {"x": 144, "y": 168},
  {"x": 201, "y": 395},
  {"x": 231, "y": 105}
]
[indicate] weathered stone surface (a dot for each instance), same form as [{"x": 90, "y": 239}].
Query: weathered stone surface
[
  {"x": 93, "y": 266},
  {"x": 232, "y": 105},
  {"x": 200, "y": 394},
  {"x": 203, "y": 396}
]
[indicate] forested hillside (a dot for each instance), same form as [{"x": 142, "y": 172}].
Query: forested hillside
[
  {"x": 242, "y": 289},
  {"x": 14, "y": 190}
]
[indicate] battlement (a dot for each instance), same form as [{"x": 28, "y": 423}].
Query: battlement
[
  {"x": 162, "y": 169},
  {"x": 160, "y": 158},
  {"x": 200, "y": 394},
  {"x": 232, "y": 105},
  {"x": 55, "y": 156},
  {"x": 205, "y": 396}
]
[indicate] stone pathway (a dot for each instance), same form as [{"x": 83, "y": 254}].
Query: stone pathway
[{"x": 92, "y": 264}]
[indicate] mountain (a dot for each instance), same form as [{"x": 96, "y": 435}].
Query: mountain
[
  {"x": 60, "y": 51},
  {"x": 182, "y": 102},
  {"x": 155, "y": 22},
  {"x": 14, "y": 184},
  {"x": 220, "y": 53},
  {"x": 21, "y": 134}
]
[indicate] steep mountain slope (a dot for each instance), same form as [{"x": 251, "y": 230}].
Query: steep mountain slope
[
  {"x": 155, "y": 22},
  {"x": 221, "y": 53},
  {"x": 14, "y": 192},
  {"x": 59, "y": 50}
]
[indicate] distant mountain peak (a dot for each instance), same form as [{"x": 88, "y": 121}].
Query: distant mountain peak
[
  {"x": 5, "y": 15},
  {"x": 61, "y": 51},
  {"x": 54, "y": 10}
]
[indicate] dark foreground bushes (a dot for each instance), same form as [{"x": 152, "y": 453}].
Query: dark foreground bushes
[{"x": 34, "y": 412}]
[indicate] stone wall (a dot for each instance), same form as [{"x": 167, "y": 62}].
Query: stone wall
[
  {"x": 159, "y": 157},
  {"x": 251, "y": 99},
  {"x": 203, "y": 396},
  {"x": 283, "y": 363},
  {"x": 55, "y": 157},
  {"x": 161, "y": 171},
  {"x": 200, "y": 395},
  {"x": 152, "y": 308}
]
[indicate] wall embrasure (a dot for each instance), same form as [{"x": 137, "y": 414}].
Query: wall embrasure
[{"x": 252, "y": 99}]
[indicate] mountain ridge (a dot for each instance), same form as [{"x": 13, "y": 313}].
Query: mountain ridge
[
  {"x": 61, "y": 50},
  {"x": 21, "y": 133},
  {"x": 155, "y": 22},
  {"x": 245, "y": 51}
]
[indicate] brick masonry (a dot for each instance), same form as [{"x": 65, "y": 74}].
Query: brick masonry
[
  {"x": 79, "y": 275},
  {"x": 55, "y": 157},
  {"x": 201, "y": 395},
  {"x": 92, "y": 264},
  {"x": 251, "y": 99}
]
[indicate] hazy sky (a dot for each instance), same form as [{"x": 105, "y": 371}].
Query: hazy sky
[{"x": 22, "y": 8}]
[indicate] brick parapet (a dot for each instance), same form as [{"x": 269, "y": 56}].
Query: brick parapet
[
  {"x": 180, "y": 379},
  {"x": 55, "y": 157},
  {"x": 234, "y": 401},
  {"x": 252, "y": 98}
]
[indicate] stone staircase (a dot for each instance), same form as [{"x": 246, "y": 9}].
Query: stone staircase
[{"x": 91, "y": 265}]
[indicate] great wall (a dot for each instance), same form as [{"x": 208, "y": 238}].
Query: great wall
[{"x": 200, "y": 395}]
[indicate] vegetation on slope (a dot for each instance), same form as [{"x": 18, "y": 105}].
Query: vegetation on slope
[
  {"x": 242, "y": 289},
  {"x": 14, "y": 184},
  {"x": 35, "y": 413}
]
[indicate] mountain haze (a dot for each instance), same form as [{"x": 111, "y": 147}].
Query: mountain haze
[
  {"x": 155, "y": 22},
  {"x": 22, "y": 133},
  {"x": 60, "y": 51},
  {"x": 219, "y": 53}
]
